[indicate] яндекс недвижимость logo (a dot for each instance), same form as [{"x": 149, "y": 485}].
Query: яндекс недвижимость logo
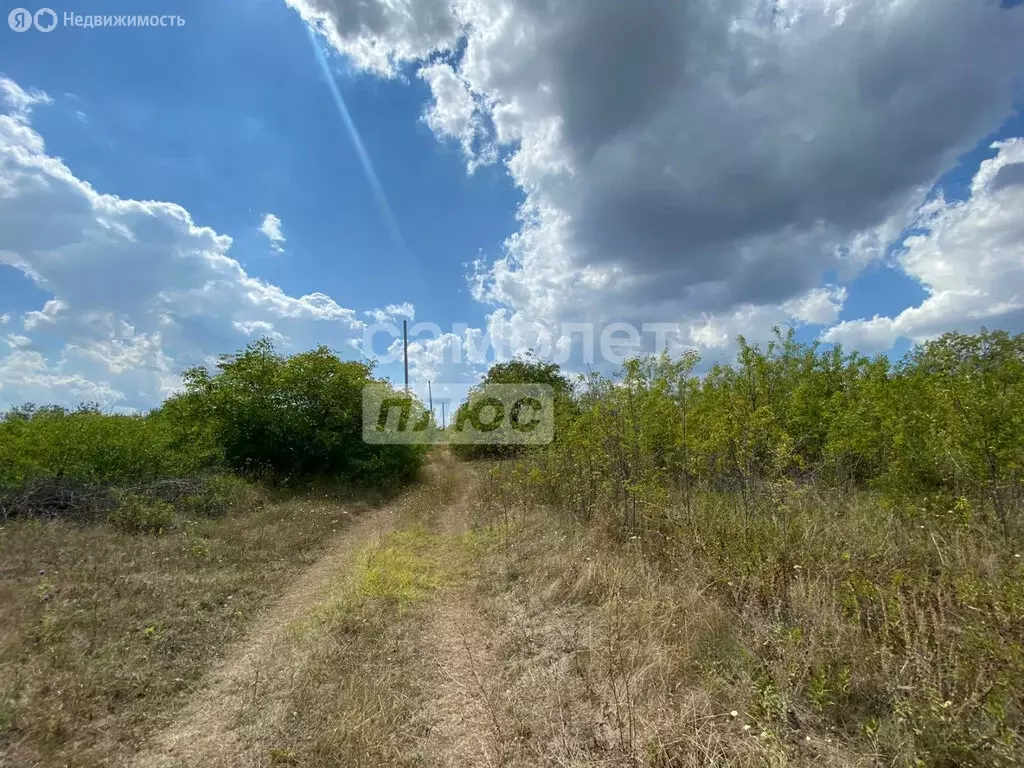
[
  {"x": 22, "y": 19},
  {"x": 47, "y": 20}
]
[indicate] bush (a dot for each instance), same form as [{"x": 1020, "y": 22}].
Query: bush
[
  {"x": 524, "y": 370},
  {"x": 137, "y": 513},
  {"x": 288, "y": 418},
  {"x": 219, "y": 495},
  {"x": 260, "y": 414},
  {"x": 90, "y": 447}
]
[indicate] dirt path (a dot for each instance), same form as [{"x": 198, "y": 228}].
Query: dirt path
[
  {"x": 221, "y": 725},
  {"x": 466, "y": 714},
  {"x": 232, "y": 719}
]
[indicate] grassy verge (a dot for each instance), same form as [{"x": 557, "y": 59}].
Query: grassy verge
[
  {"x": 823, "y": 632},
  {"x": 104, "y": 630}
]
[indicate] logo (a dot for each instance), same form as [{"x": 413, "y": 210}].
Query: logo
[
  {"x": 45, "y": 19},
  {"x": 494, "y": 414},
  {"x": 22, "y": 19}
]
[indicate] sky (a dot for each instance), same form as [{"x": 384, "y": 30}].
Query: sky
[{"x": 588, "y": 179}]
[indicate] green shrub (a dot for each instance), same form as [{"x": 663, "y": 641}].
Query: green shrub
[
  {"x": 223, "y": 495},
  {"x": 260, "y": 414},
  {"x": 289, "y": 418},
  {"x": 137, "y": 513},
  {"x": 91, "y": 447}
]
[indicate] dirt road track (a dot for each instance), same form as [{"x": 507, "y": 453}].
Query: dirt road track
[{"x": 219, "y": 727}]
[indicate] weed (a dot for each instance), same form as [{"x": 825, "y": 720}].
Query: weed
[{"x": 136, "y": 513}]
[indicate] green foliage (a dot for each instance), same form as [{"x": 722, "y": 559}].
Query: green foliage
[
  {"x": 946, "y": 421},
  {"x": 223, "y": 494},
  {"x": 260, "y": 414},
  {"x": 90, "y": 447},
  {"x": 289, "y": 418},
  {"x": 137, "y": 513},
  {"x": 524, "y": 369},
  {"x": 861, "y": 521}
]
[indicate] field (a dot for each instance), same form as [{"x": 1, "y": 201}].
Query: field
[{"x": 801, "y": 559}]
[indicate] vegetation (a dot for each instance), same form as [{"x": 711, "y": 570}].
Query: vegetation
[
  {"x": 107, "y": 626},
  {"x": 105, "y": 633},
  {"x": 525, "y": 370},
  {"x": 830, "y": 544},
  {"x": 288, "y": 418},
  {"x": 261, "y": 415},
  {"x": 801, "y": 558}
]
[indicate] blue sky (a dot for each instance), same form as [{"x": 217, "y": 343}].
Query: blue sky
[{"x": 544, "y": 167}]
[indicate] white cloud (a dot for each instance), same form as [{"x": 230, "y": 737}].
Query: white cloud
[
  {"x": 271, "y": 229},
  {"x": 968, "y": 255},
  {"x": 454, "y": 114},
  {"x": 819, "y": 306},
  {"x": 139, "y": 290},
  {"x": 441, "y": 360},
  {"x": 379, "y": 36},
  {"x": 19, "y": 100},
  {"x": 16, "y": 341},
  {"x": 27, "y": 376},
  {"x": 391, "y": 312},
  {"x": 47, "y": 315},
  {"x": 703, "y": 163}
]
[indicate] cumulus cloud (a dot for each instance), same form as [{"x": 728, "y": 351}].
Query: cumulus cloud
[
  {"x": 440, "y": 364},
  {"x": 271, "y": 229},
  {"x": 19, "y": 100},
  {"x": 454, "y": 114},
  {"x": 687, "y": 161},
  {"x": 139, "y": 290},
  {"x": 380, "y": 36},
  {"x": 27, "y": 376},
  {"x": 48, "y": 314},
  {"x": 391, "y": 312},
  {"x": 968, "y": 255}
]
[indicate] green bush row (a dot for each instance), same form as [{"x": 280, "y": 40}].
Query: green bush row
[{"x": 259, "y": 413}]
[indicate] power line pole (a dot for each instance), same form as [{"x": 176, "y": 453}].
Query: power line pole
[
  {"x": 405, "y": 345},
  {"x": 442, "y": 414},
  {"x": 430, "y": 397}
]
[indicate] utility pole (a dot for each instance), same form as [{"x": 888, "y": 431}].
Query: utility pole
[
  {"x": 405, "y": 345},
  {"x": 430, "y": 398},
  {"x": 442, "y": 414}
]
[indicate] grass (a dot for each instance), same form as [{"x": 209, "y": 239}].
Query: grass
[
  {"x": 354, "y": 698},
  {"x": 357, "y": 697},
  {"x": 824, "y": 629},
  {"x": 812, "y": 628},
  {"x": 104, "y": 631}
]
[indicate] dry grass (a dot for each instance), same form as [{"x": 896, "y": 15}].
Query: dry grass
[
  {"x": 820, "y": 631},
  {"x": 365, "y": 693},
  {"x": 598, "y": 654},
  {"x": 484, "y": 630},
  {"x": 104, "y": 633}
]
